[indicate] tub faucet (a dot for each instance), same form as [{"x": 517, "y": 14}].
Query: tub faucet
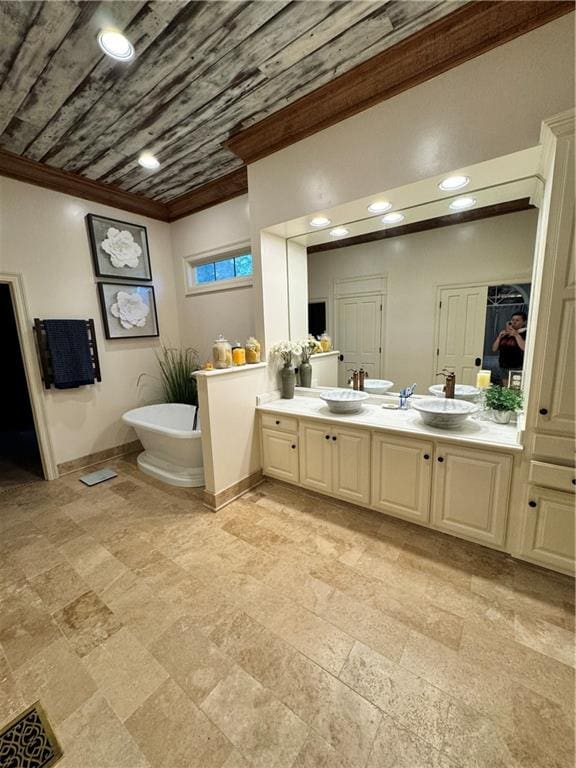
[{"x": 405, "y": 394}]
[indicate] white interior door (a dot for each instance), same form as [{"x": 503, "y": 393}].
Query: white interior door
[
  {"x": 461, "y": 331},
  {"x": 359, "y": 335}
]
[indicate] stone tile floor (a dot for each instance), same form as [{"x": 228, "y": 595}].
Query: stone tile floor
[{"x": 285, "y": 630}]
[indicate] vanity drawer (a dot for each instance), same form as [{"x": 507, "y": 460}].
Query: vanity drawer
[
  {"x": 552, "y": 476},
  {"x": 285, "y": 423},
  {"x": 554, "y": 447}
]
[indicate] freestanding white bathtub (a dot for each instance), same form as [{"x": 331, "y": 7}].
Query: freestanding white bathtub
[{"x": 172, "y": 448}]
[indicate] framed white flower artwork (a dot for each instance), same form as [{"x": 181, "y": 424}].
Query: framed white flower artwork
[
  {"x": 119, "y": 249},
  {"x": 128, "y": 311}
]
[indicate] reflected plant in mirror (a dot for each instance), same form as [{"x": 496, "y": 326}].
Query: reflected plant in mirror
[{"x": 285, "y": 356}]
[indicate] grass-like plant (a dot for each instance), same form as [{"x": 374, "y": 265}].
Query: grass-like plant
[
  {"x": 503, "y": 399},
  {"x": 176, "y": 369}
]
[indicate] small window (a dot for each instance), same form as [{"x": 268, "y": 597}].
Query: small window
[{"x": 224, "y": 269}]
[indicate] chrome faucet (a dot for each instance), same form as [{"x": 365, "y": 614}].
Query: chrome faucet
[{"x": 405, "y": 394}]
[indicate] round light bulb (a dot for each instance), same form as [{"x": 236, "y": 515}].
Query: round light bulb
[
  {"x": 461, "y": 203},
  {"x": 147, "y": 160},
  {"x": 379, "y": 206},
  {"x": 392, "y": 218},
  {"x": 339, "y": 231},
  {"x": 320, "y": 221},
  {"x": 114, "y": 44},
  {"x": 451, "y": 183}
]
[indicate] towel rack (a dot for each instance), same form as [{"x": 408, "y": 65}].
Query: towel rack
[{"x": 44, "y": 352}]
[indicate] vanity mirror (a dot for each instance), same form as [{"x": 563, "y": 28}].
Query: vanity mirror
[{"x": 425, "y": 279}]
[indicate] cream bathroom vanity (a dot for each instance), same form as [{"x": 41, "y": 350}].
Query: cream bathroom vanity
[{"x": 457, "y": 482}]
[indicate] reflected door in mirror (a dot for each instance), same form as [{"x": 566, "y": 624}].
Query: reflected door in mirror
[
  {"x": 461, "y": 331},
  {"x": 359, "y": 335}
]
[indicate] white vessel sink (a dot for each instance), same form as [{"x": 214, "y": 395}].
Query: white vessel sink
[
  {"x": 344, "y": 400},
  {"x": 443, "y": 413},
  {"x": 461, "y": 392},
  {"x": 377, "y": 386}
]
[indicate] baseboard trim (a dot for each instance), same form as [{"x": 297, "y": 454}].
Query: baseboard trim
[
  {"x": 97, "y": 458},
  {"x": 216, "y": 501}
]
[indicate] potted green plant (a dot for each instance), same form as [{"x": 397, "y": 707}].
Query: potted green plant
[{"x": 502, "y": 402}]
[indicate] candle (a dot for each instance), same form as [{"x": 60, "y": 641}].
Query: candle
[{"x": 483, "y": 379}]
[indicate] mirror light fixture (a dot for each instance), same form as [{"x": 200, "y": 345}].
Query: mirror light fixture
[
  {"x": 379, "y": 206},
  {"x": 114, "y": 44},
  {"x": 319, "y": 221},
  {"x": 148, "y": 161},
  {"x": 450, "y": 183},
  {"x": 393, "y": 218},
  {"x": 339, "y": 232},
  {"x": 461, "y": 203}
]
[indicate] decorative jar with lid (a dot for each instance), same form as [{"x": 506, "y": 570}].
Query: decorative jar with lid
[
  {"x": 252, "y": 350},
  {"x": 222, "y": 353},
  {"x": 325, "y": 342}
]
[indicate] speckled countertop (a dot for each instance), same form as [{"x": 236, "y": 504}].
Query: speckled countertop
[{"x": 476, "y": 430}]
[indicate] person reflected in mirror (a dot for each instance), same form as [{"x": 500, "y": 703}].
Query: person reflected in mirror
[{"x": 510, "y": 345}]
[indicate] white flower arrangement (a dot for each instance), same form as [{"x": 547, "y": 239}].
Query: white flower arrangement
[
  {"x": 130, "y": 309},
  {"x": 285, "y": 352},
  {"x": 123, "y": 250},
  {"x": 309, "y": 347}
]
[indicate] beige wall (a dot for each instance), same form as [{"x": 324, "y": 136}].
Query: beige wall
[
  {"x": 488, "y": 107},
  {"x": 500, "y": 248},
  {"x": 204, "y": 316},
  {"x": 43, "y": 237}
]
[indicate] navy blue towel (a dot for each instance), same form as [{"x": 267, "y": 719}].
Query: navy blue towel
[{"x": 69, "y": 349}]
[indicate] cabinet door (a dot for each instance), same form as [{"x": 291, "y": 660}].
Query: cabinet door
[
  {"x": 471, "y": 493},
  {"x": 315, "y": 456},
  {"x": 401, "y": 477},
  {"x": 548, "y": 537},
  {"x": 280, "y": 455},
  {"x": 351, "y": 464},
  {"x": 551, "y": 406}
]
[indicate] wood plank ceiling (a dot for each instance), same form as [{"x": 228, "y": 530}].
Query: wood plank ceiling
[{"x": 202, "y": 72}]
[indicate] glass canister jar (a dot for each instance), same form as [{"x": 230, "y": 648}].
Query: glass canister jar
[
  {"x": 325, "y": 342},
  {"x": 238, "y": 354},
  {"x": 252, "y": 350},
  {"x": 222, "y": 353}
]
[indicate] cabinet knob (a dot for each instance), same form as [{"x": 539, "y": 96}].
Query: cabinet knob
[
  {"x": 440, "y": 459},
  {"x": 426, "y": 456},
  {"x": 543, "y": 411},
  {"x": 532, "y": 503},
  {"x": 334, "y": 437},
  {"x": 292, "y": 446},
  {"x": 574, "y": 481},
  {"x": 277, "y": 422},
  {"x": 326, "y": 437}
]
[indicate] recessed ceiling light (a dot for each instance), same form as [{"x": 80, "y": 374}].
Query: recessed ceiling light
[
  {"x": 379, "y": 206},
  {"x": 320, "y": 221},
  {"x": 393, "y": 218},
  {"x": 461, "y": 203},
  {"x": 147, "y": 160},
  {"x": 339, "y": 231},
  {"x": 453, "y": 182},
  {"x": 114, "y": 44}
]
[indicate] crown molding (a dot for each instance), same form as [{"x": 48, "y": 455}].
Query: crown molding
[
  {"x": 41, "y": 175},
  {"x": 218, "y": 191},
  {"x": 469, "y": 31},
  {"x": 498, "y": 209}
]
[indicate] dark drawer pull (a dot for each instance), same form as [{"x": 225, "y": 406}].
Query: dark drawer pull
[
  {"x": 334, "y": 438},
  {"x": 543, "y": 411},
  {"x": 574, "y": 481},
  {"x": 277, "y": 422},
  {"x": 426, "y": 456},
  {"x": 292, "y": 446},
  {"x": 532, "y": 504},
  {"x": 326, "y": 437},
  {"x": 440, "y": 459}
]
